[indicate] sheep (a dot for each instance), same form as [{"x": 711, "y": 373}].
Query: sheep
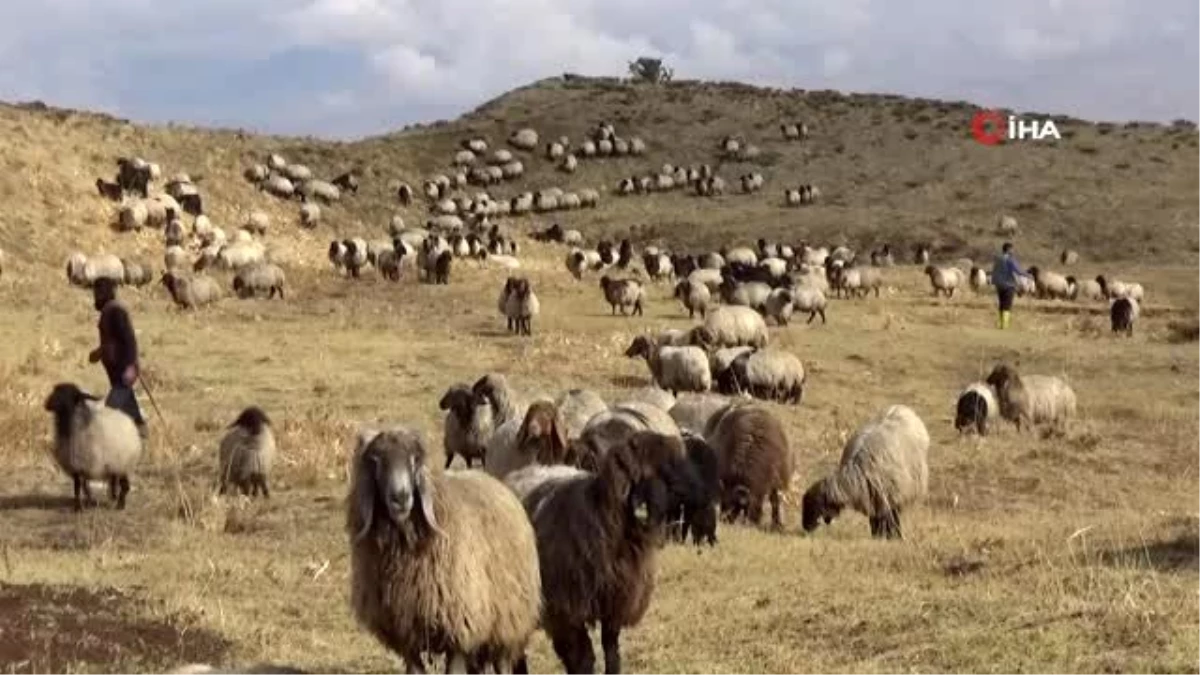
[
  {"x": 944, "y": 280},
  {"x": 84, "y": 270},
  {"x": 441, "y": 267},
  {"x": 720, "y": 360},
  {"x": 467, "y": 426},
  {"x": 652, "y": 395},
  {"x": 256, "y": 173},
  {"x": 92, "y": 442},
  {"x": 808, "y": 299},
  {"x": 318, "y": 189},
  {"x": 354, "y": 255},
  {"x": 623, "y": 293},
  {"x": 240, "y": 254},
  {"x": 694, "y": 296},
  {"x": 1087, "y": 289},
  {"x": 1068, "y": 257},
  {"x": 610, "y": 428},
  {"x": 110, "y": 191},
  {"x": 708, "y": 277},
  {"x": 576, "y": 407},
  {"x": 133, "y": 175},
  {"x": 191, "y": 292},
  {"x": 443, "y": 563},
  {"x": 1025, "y": 285},
  {"x": 258, "y": 222},
  {"x": 246, "y": 453},
  {"x": 883, "y": 470},
  {"x": 259, "y": 277},
  {"x": 276, "y": 162},
  {"x": 1006, "y": 225},
  {"x": 1050, "y": 285},
  {"x": 347, "y": 182},
  {"x": 769, "y": 374},
  {"x": 1029, "y": 400},
  {"x": 675, "y": 369},
  {"x": 1120, "y": 289},
  {"x": 519, "y": 304},
  {"x": 697, "y": 511},
  {"x": 858, "y": 281},
  {"x": 756, "y": 462},
  {"x": 779, "y": 305},
  {"x": 976, "y": 403},
  {"x": 135, "y": 273},
  {"x": 1122, "y": 314},
  {"x": 749, "y": 294},
  {"x": 978, "y": 279},
  {"x": 524, "y": 139},
  {"x": 693, "y": 411},
  {"x": 731, "y": 326},
  {"x": 540, "y": 437},
  {"x": 279, "y": 186},
  {"x": 310, "y": 215},
  {"x": 598, "y": 535},
  {"x": 404, "y": 194},
  {"x": 464, "y": 158}
]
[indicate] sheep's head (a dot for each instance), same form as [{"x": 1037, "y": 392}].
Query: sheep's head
[
  {"x": 253, "y": 419},
  {"x": 930, "y": 270},
  {"x": 390, "y": 478},
  {"x": 701, "y": 336},
  {"x": 819, "y": 504},
  {"x": 1002, "y": 376},
  {"x": 605, "y": 282},
  {"x": 544, "y": 426},
  {"x": 169, "y": 282},
  {"x": 645, "y": 473},
  {"x": 682, "y": 289},
  {"x": 487, "y": 388},
  {"x": 640, "y": 347},
  {"x": 1034, "y": 271},
  {"x": 64, "y": 398}
]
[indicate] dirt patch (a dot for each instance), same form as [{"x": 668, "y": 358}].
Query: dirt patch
[{"x": 46, "y": 629}]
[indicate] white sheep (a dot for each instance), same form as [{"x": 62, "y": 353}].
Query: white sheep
[
  {"x": 731, "y": 326},
  {"x": 246, "y": 453},
  {"x": 883, "y": 470},
  {"x": 944, "y": 280},
  {"x": 524, "y": 139},
  {"x": 675, "y": 369},
  {"x": 1030, "y": 400},
  {"x": 1050, "y": 285},
  {"x": 769, "y": 374},
  {"x": 976, "y": 404},
  {"x": 93, "y": 442},
  {"x": 811, "y": 299}
]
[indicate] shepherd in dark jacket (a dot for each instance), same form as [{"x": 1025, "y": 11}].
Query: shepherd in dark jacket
[{"x": 118, "y": 351}]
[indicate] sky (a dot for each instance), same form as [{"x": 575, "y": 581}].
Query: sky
[{"x": 349, "y": 68}]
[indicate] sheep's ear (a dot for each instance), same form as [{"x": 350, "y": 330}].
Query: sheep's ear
[
  {"x": 425, "y": 493},
  {"x": 558, "y": 437},
  {"x": 366, "y": 481}
]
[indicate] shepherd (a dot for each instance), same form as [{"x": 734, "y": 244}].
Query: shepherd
[{"x": 118, "y": 352}]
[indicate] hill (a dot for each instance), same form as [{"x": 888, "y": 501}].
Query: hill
[{"x": 1030, "y": 553}]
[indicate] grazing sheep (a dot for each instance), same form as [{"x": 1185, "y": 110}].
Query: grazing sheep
[
  {"x": 524, "y": 139},
  {"x": 976, "y": 403},
  {"x": 882, "y": 471},
  {"x": 731, "y": 326},
  {"x": 84, "y": 270},
  {"x": 467, "y": 426},
  {"x": 246, "y": 453},
  {"x": 1025, "y": 285},
  {"x": 444, "y": 563},
  {"x": 779, "y": 305},
  {"x": 721, "y": 359},
  {"x": 92, "y": 442},
  {"x": 110, "y": 191},
  {"x": 175, "y": 257},
  {"x": 769, "y": 374},
  {"x": 310, "y": 215},
  {"x": 979, "y": 279},
  {"x": 597, "y": 537},
  {"x": 256, "y": 173},
  {"x": 1029, "y": 400},
  {"x": 694, "y": 296},
  {"x": 1122, "y": 314},
  {"x": 279, "y": 186},
  {"x": 623, "y": 293},
  {"x": 755, "y": 459},
  {"x": 1087, "y": 289},
  {"x": 1068, "y": 257},
  {"x": 944, "y": 280},
  {"x": 1050, "y": 285},
  {"x": 191, "y": 292},
  {"x": 136, "y": 274},
  {"x": 857, "y": 281},
  {"x": 1006, "y": 225},
  {"x": 1119, "y": 289},
  {"x": 262, "y": 277},
  {"x": 519, "y": 304},
  {"x": 318, "y": 189},
  {"x": 693, "y": 411},
  {"x": 809, "y": 299},
  {"x": 749, "y": 294},
  {"x": 258, "y": 222},
  {"x": 698, "y": 512},
  {"x": 675, "y": 369}
]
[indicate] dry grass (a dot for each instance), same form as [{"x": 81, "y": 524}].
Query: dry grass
[{"x": 1075, "y": 554}]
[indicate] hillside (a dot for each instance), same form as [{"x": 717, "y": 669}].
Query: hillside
[
  {"x": 1031, "y": 552},
  {"x": 891, "y": 169}
]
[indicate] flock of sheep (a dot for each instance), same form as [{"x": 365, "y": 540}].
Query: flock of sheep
[{"x": 560, "y": 528}]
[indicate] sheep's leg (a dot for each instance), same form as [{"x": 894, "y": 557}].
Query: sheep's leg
[
  {"x": 80, "y": 489},
  {"x": 414, "y": 663},
  {"x": 574, "y": 648},
  {"x": 112, "y": 487},
  {"x": 610, "y": 639},
  {"x": 450, "y": 459},
  {"x": 981, "y": 425},
  {"x": 776, "y": 516},
  {"x": 521, "y": 666},
  {"x": 123, "y": 483},
  {"x": 893, "y": 524},
  {"x": 456, "y": 662},
  {"x": 262, "y": 486},
  {"x": 876, "y": 526}
]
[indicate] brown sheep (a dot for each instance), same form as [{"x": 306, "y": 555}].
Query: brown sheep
[
  {"x": 756, "y": 462},
  {"x": 598, "y": 535},
  {"x": 545, "y": 432}
]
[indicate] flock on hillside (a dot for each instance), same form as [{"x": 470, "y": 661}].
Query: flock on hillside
[{"x": 559, "y": 529}]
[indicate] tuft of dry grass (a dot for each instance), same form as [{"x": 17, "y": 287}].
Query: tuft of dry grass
[{"x": 1048, "y": 554}]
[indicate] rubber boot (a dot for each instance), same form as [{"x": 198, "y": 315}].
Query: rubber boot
[
  {"x": 1000, "y": 320},
  {"x": 1005, "y": 319}
]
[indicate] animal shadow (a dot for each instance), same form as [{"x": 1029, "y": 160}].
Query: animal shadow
[{"x": 40, "y": 502}]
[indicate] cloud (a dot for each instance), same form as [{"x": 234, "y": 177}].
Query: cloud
[{"x": 345, "y": 68}]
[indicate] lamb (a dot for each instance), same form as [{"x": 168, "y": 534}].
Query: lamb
[
  {"x": 623, "y": 293},
  {"x": 944, "y": 280},
  {"x": 769, "y": 374},
  {"x": 976, "y": 403},
  {"x": 1050, "y": 285},
  {"x": 261, "y": 277},
  {"x": 756, "y": 462},
  {"x": 731, "y": 326},
  {"x": 806, "y": 298},
  {"x": 246, "y": 453},
  {"x": 467, "y": 426},
  {"x": 675, "y": 369},
  {"x": 1122, "y": 314},
  {"x": 443, "y": 563},
  {"x": 883, "y": 470},
  {"x": 1029, "y": 400},
  {"x": 191, "y": 292},
  {"x": 92, "y": 442},
  {"x": 519, "y": 304},
  {"x": 597, "y": 537},
  {"x": 695, "y": 297}
]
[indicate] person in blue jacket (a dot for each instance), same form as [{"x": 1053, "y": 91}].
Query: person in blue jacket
[{"x": 1005, "y": 271}]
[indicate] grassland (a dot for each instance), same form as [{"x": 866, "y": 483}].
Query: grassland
[{"x": 1075, "y": 554}]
